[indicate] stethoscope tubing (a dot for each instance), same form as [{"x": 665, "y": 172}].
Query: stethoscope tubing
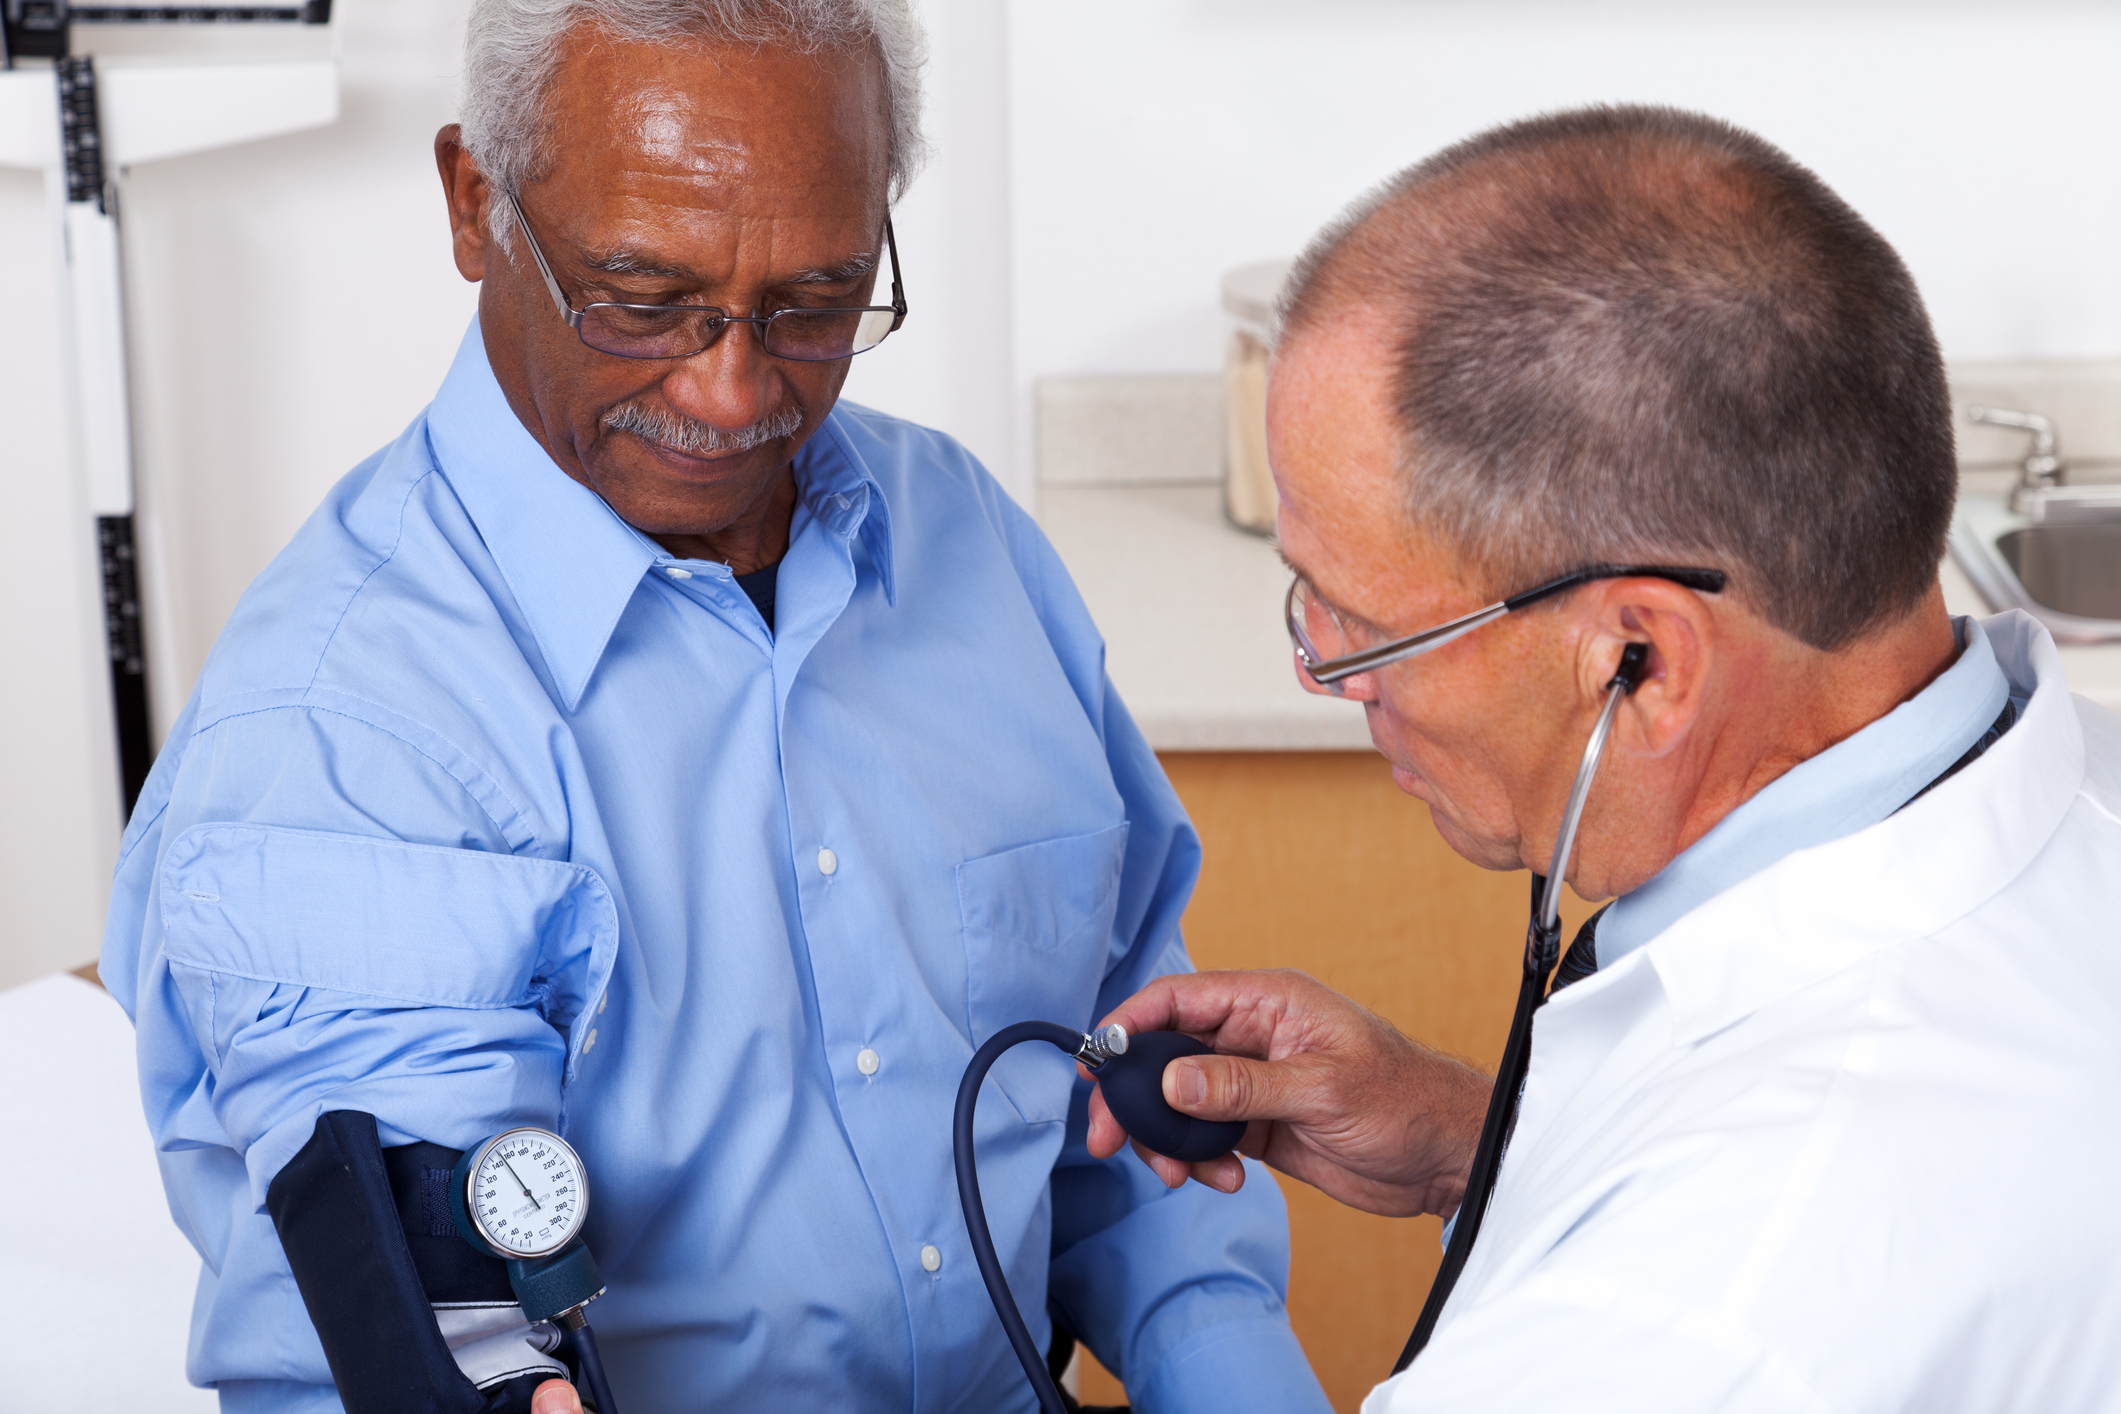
[
  {"x": 968, "y": 1196},
  {"x": 591, "y": 1361},
  {"x": 1624, "y": 682}
]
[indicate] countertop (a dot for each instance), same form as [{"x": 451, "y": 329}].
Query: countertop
[{"x": 1191, "y": 610}]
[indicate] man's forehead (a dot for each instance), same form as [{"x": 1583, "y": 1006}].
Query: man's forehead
[
  {"x": 1333, "y": 438},
  {"x": 765, "y": 126},
  {"x": 698, "y": 165},
  {"x": 1331, "y": 428}
]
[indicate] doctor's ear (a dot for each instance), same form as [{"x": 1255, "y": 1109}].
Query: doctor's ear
[{"x": 1679, "y": 629}]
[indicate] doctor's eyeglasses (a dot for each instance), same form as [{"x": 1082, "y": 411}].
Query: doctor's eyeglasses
[
  {"x": 1333, "y": 646},
  {"x": 654, "y": 331}
]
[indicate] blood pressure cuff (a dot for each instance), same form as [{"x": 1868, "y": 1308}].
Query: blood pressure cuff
[{"x": 413, "y": 1321}]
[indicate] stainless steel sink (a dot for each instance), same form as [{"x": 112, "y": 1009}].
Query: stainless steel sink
[
  {"x": 2066, "y": 573},
  {"x": 2074, "y": 569},
  {"x": 2051, "y": 549}
]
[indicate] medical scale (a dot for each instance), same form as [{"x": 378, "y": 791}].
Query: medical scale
[{"x": 83, "y": 124}]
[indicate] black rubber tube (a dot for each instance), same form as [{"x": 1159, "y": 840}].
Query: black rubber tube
[
  {"x": 990, "y": 1268},
  {"x": 1541, "y": 944},
  {"x": 591, "y": 1362}
]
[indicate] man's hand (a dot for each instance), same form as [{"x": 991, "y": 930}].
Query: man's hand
[
  {"x": 1335, "y": 1095},
  {"x": 555, "y": 1397}
]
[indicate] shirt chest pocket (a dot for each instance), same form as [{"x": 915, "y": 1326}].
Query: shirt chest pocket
[{"x": 1037, "y": 924}]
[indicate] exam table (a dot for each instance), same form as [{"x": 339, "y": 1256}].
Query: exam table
[{"x": 99, "y": 1279}]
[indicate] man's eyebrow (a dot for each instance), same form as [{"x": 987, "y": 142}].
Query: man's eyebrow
[
  {"x": 630, "y": 262},
  {"x": 1293, "y": 568},
  {"x": 844, "y": 272},
  {"x": 623, "y": 261}
]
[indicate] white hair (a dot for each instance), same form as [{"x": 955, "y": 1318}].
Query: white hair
[{"x": 512, "y": 46}]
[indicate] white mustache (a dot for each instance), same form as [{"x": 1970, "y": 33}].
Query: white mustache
[{"x": 688, "y": 435}]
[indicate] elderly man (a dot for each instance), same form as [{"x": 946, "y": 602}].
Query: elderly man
[
  {"x": 1824, "y": 1118},
  {"x": 646, "y": 747}
]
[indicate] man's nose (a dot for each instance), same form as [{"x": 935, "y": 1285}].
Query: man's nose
[
  {"x": 1361, "y": 687},
  {"x": 733, "y": 383}
]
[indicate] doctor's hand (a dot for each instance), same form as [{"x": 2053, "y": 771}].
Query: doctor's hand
[
  {"x": 1335, "y": 1095},
  {"x": 555, "y": 1397}
]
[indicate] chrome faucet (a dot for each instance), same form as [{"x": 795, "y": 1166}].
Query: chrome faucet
[{"x": 2042, "y": 468}]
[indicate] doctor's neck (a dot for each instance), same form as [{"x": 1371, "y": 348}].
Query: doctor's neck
[{"x": 1734, "y": 704}]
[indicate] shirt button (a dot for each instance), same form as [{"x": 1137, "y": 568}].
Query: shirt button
[
  {"x": 827, "y": 862},
  {"x": 675, "y": 573},
  {"x": 931, "y": 1259},
  {"x": 867, "y": 1061}
]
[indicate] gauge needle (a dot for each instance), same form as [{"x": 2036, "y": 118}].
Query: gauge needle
[{"x": 522, "y": 1185}]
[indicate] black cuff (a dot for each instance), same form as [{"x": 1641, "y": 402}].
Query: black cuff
[{"x": 370, "y": 1257}]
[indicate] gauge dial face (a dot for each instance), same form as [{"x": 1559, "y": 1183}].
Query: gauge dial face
[{"x": 528, "y": 1193}]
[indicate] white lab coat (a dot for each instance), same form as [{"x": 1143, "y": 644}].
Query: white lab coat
[{"x": 1846, "y": 1137}]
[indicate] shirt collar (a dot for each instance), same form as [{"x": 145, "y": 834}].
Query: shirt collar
[
  {"x": 1848, "y": 787},
  {"x": 1823, "y": 908},
  {"x": 571, "y": 562},
  {"x": 842, "y": 494}
]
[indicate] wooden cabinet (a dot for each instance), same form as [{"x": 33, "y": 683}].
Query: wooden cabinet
[{"x": 1316, "y": 860}]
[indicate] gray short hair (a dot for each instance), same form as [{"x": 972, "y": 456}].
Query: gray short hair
[
  {"x": 1639, "y": 335},
  {"x": 512, "y": 46}
]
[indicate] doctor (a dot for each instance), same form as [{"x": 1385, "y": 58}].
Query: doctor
[{"x": 1820, "y": 1113}]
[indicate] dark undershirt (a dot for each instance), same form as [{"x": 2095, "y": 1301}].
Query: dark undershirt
[{"x": 759, "y": 585}]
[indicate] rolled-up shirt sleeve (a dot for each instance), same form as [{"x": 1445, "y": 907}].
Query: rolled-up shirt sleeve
[
  {"x": 432, "y": 988},
  {"x": 337, "y": 925}
]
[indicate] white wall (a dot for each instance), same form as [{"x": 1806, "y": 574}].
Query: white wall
[
  {"x": 1159, "y": 142},
  {"x": 1098, "y": 164},
  {"x": 952, "y": 365}
]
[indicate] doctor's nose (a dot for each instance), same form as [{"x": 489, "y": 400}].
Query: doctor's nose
[{"x": 1358, "y": 687}]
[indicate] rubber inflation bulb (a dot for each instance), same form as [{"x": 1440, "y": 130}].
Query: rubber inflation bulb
[{"x": 1133, "y": 1085}]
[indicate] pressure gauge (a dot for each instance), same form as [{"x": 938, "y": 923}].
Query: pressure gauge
[{"x": 522, "y": 1193}]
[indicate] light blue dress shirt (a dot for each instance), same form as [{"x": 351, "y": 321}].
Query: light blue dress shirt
[
  {"x": 487, "y": 812},
  {"x": 1850, "y": 786}
]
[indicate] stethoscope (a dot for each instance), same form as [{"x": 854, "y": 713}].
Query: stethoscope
[
  {"x": 1130, "y": 1072},
  {"x": 1542, "y": 951}
]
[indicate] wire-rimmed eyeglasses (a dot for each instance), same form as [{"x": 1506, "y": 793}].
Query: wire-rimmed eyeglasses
[
  {"x": 1331, "y": 648},
  {"x": 653, "y": 331}
]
